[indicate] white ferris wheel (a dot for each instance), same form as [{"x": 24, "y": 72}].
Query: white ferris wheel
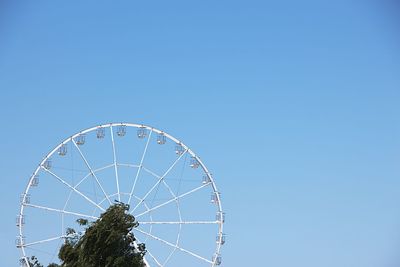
[{"x": 165, "y": 183}]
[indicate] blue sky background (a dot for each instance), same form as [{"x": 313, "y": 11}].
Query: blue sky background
[{"x": 293, "y": 105}]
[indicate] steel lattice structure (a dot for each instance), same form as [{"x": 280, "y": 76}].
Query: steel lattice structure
[{"x": 147, "y": 207}]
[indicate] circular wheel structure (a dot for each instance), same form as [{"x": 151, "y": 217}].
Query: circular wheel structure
[{"x": 165, "y": 183}]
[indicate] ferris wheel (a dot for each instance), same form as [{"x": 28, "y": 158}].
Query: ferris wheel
[{"x": 165, "y": 184}]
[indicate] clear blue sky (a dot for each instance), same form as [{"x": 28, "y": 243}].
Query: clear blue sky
[{"x": 293, "y": 105}]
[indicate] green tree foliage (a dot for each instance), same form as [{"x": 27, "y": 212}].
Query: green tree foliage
[
  {"x": 33, "y": 262},
  {"x": 107, "y": 242}
]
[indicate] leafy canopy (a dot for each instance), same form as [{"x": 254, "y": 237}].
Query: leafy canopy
[{"x": 107, "y": 242}]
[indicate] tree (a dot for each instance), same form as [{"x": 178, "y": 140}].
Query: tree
[
  {"x": 107, "y": 242},
  {"x": 33, "y": 262}
]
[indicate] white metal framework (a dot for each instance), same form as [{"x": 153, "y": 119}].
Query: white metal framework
[{"x": 143, "y": 207}]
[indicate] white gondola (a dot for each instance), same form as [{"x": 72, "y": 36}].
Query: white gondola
[
  {"x": 215, "y": 197},
  {"x": 25, "y": 198},
  {"x": 47, "y": 164},
  {"x": 206, "y": 179},
  {"x": 217, "y": 260},
  {"x": 100, "y": 132},
  {"x": 121, "y": 130},
  {"x": 142, "y": 132},
  {"x": 35, "y": 180},
  {"x": 221, "y": 239},
  {"x": 20, "y": 220},
  {"x": 194, "y": 163},
  {"x": 62, "y": 150},
  {"x": 179, "y": 149},
  {"x": 20, "y": 241},
  {"x": 220, "y": 217},
  {"x": 161, "y": 139},
  {"x": 80, "y": 139}
]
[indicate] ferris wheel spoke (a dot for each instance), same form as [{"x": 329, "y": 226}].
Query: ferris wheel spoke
[
  {"x": 179, "y": 215},
  {"x": 60, "y": 211},
  {"x": 151, "y": 172},
  {"x": 163, "y": 181},
  {"x": 172, "y": 200},
  {"x": 172, "y": 194},
  {"x": 151, "y": 255},
  {"x": 174, "y": 245},
  {"x": 97, "y": 170},
  {"x": 140, "y": 167},
  {"x": 45, "y": 240},
  {"x": 180, "y": 222},
  {"x": 159, "y": 180},
  {"x": 135, "y": 245},
  {"x": 73, "y": 188},
  {"x": 91, "y": 171},
  {"x": 115, "y": 162},
  {"x": 154, "y": 258},
  {"x": 169, "y": 256},
  {"x": 127, "y": 165}
]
